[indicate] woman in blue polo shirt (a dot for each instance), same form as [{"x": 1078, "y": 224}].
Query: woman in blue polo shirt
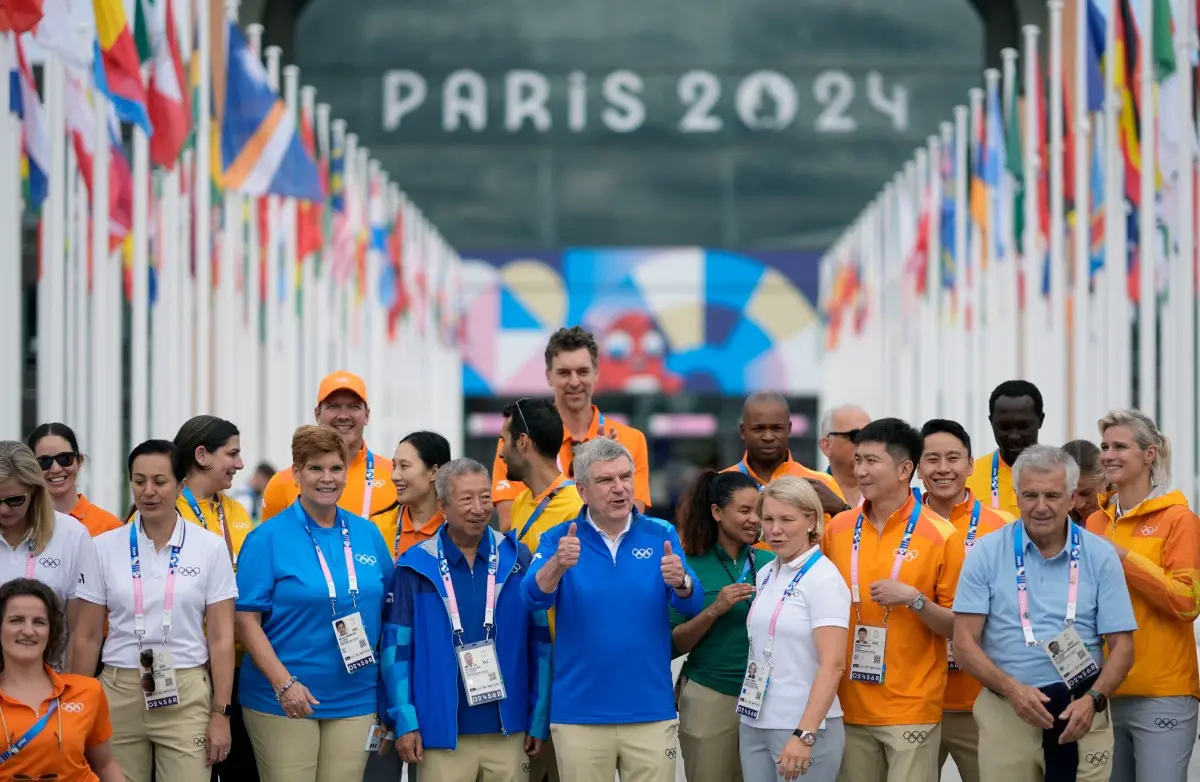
[{"x": 312, "y": 587}]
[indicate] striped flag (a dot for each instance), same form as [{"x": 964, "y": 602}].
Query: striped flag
[{"x": 117, "y": 69}]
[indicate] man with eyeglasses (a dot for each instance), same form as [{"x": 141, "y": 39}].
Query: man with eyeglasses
[
  {"x": 839, "y": 428},
  {"x": 1037, "y": 603},
  {"x": 342, "y": 405},
  {"x": 572, "y": 369}
]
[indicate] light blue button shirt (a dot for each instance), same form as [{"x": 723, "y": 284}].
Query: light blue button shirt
[{"x": 988, "y": 585}]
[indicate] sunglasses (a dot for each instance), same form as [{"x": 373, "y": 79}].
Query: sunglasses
[
  {"x": 63, "y": 460},
  {"x": 849, "y": 434},
  {"x": 15, "y": 502},
  {"x": 146, "y": 660}
]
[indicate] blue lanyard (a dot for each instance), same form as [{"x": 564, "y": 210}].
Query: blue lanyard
[
  {"x": 195, "y": 506},
  {"x": 34, "y": 731},
  {"x": 973, "y": 526},
  {"x": 746, "y": 471},
  {"x": 996, "y": 479},
  {"x": 541, "y": 508}
]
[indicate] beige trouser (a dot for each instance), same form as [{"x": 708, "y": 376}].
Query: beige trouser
[
  {"x": 1010, "y": 749},
  {"x": 895, "y": 753},
  {"x": 170, "y": 743},
  {"x": 491, "y": 758},
  {"x": 544, "y": 768},
  {"x": 960, "y": 740},
  {"x": 640, "y": 751},
  {"x": 708, "y": 734},
  {"x": 308, "y": 750}
]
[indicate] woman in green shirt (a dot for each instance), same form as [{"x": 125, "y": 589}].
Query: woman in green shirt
[{"x": 719, "y": 528}]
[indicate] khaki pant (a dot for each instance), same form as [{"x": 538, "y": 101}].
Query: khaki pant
[
  {"x": 544, "y": 768},
  {"x": 170, "y": 743},
  {"x": 1010, "y": 749},
  {"x": 960, "y": 740},
  {"x": 641, "y": 751},
  {"x": 308, "y": 750},
  {"x": 491, "y": 758},
  {"x": 895, "y": 753},
  {"x": 708, "y": 734}
]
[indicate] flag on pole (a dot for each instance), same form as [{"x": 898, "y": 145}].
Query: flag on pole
[
  {"x": 82, "y": 126},
  {"x": 261, "y": 151},
  {"x": 168, "y": 104},
  {"x": 19, "y": 16},
  {"x": 35, "y": 139},
  {"x": 117, "y": 70},
  {"x": 1127, "y": 64},
  {"x": 310, "y": 220}
]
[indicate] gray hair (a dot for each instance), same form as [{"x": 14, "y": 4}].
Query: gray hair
[
  {"x": 602, "y": 449},
  {"x": 443, "y": 481},
  {"x": 1045, "y": 458},
  {"x": 1146, "y": 433},
  {"x": 827, "y": 419}
]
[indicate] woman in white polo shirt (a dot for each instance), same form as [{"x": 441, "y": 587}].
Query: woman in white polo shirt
[
  {"x": 161, "y": 582},
  {"x": 35, "y": 540},
  {"x": 798, "y": 626}
]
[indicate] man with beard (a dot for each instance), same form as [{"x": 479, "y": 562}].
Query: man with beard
[{"x": 1016, "y": 414}]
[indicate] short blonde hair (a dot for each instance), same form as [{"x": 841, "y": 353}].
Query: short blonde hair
[
  {"x": 312, "y": 442},
  {"x": 800, "y": 494},
  {"x": 17, "y": 463},
  {"x": 1146, "y": 433}
]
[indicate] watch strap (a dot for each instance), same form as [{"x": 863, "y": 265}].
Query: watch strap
[
  {"x": 224, "y": 711},
  {"x": 807, "y": 737}
]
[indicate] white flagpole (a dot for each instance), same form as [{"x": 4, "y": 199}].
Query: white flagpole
[
  {"x": 301, "y": 387},
  {"x": 164, "y": 345},
  {"x": 1057, "y": 422},
  {"x": 106, "y": 286},
  {"x": 258, "y": 379},
  {"x": 322, "y": 302},
  {"x": 995, "y": 338},
  {"x": 362, "y": 311},
  {"x": 1184, "y": 282},
  {"x": 1082, "y": 409},
  {"x": 185, "y": 403},
  {"x": 202, "y": 214},
  {"x": 350, "y": 314},
  {"x": 227, "y": 343},
  {"x": 11, "y": 353},
  {"x": 376, "y": 325},
  {"x": 309, "y": 341},
  {"x": 1148, "y": 242},
  {"x": 1032, "y": 260},
  {"x": 339, "y": 333},
  {"x": 75, "y": 305},
  {"x": 52, "y": 343},
  {"x": 932, "y": 337},
  {"x": 975, "y": 258},
  {"x": 1011, "y": 314},
  {"x": 1118, "y": 392},
  {"x": 139, "y": 403},
  {"x": 945, "y": 302},
  {"x": 81, "y": 411},
  {"x": 962, "y": 408},
  {"x": 279, "y": 427}
]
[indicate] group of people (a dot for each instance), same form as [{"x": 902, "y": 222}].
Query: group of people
[{"x": 857, "y": 624}]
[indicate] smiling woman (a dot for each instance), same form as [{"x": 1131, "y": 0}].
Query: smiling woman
[{"x": 60, "y": 458}]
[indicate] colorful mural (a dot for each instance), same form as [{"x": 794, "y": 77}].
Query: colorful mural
[{"x": 667, "y": 319}]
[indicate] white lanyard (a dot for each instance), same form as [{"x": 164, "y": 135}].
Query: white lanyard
[
  {"x": 900, "y": 554},
  {"x": 489, "y": 609},
  {"x": 351, "y": 574},
  {"x": 135, "y": 561},
  {"x": 787, "y": 592},
  {"x": 1023, "y": 584},
  {"x": 370, "y": 487}
]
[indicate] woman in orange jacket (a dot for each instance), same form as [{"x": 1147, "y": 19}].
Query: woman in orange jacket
[{"x": 1157, "y": 536}]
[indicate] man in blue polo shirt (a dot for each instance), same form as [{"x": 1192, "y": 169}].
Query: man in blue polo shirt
[
  {"x": 612, "y": 575},
  {"x": 1036, "y": 604}
]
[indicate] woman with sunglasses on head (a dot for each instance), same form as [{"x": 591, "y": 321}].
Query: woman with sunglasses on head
[
  {"x": 35, "y": 540},
  {"x": 414, "y": 517},
  {"x": 56, "y": 726},
  {"x": 58, "y": 455},
  {"x": 163, "y": 584}
]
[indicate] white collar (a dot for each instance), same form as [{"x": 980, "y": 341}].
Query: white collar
[
  {"x": 799, "y": 561},
  {"x": 176, "y": 535},
  {"x": 628, "y": 524}
]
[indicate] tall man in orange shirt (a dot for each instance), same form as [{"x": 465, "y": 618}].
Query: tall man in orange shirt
[
  {"x": 901, "y": 561},
  {"x": 342, "y": 405},
  {"x": 1016, "y": 414},
  {"x": 572, "y": 369},
  {"x": 945, "y": 465}
]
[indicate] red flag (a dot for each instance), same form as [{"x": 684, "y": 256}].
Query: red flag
[
  {"x": 310, "y": 220},
  {"x": 19, "y": 16},
  {"x": 169, "y": 102}
]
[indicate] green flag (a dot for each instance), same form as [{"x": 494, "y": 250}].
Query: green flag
[
  {"x": 1163, "y": 47},
  {"x": 142, "y": 32},
  {"x": 1016, "y": 165}
]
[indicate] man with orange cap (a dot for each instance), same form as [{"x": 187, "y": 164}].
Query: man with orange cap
[{"x": 342, "y": 405}]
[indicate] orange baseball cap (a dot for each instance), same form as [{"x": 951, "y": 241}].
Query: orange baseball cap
[{"x": 342, "y": 381}]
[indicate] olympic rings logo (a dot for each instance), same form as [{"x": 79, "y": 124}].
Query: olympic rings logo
[
  {"x": 909, "y": 555},
  {"x": 642, "y": 553},
  {"x": 190, "y": 572},
  {"x": 72, "y": 707},
  {"x": 365, "y": 559},
  {"x": 200, "y": 741},
  {"x": 1167, "y": 723},
  {"x": 916, "y": 736},
  {"x": 1097, "y": 758},
  {"x": 49, "y": 562}
]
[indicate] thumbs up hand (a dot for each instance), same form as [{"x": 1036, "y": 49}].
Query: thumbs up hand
[
  {"x": 672, "y": 567},
  {"x": 567, "y": 555}
]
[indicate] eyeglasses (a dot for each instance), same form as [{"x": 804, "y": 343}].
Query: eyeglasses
[
  {"x": 849, "y": 434},
  {"x": 16, "y": 501},
  {"x": 146, "y": 660},
  {"x": 63, "y": 460}
]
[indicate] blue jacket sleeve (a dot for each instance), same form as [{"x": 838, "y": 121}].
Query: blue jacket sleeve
[
  {"x": 694, "y": 603},
  {"x": 539, "y": 664},
  {"x": 388, "y": 571},
  {"x": 535, "y": 598},
  {"x": 398, "y": 712}
]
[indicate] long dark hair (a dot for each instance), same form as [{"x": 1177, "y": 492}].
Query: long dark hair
[
  {"x": 433, "y": 450},
  {"x": 56, "y": 429},
  {"x": 204, "y": 430},
  {"x": 31, "y": 587},
  {"x": 693, "y": 517}
]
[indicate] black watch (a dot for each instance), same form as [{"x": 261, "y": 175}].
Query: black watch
[
  {"x": 807, "y": 737},
  {"x": 224, "y": 711},
  {"x": 1099, "y": 699}
]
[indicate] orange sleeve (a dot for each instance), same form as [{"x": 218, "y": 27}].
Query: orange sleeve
[
  {"x": 279, "y": 494},
  {"x": 641, "y": 466},
  {"x": 1173, "y": 587},
  {"x": 101, "y": 521},
  {"x": 950, "y": 569},
  {"x": 503, "y": 490},
  {"x": 102, "y": 725}
]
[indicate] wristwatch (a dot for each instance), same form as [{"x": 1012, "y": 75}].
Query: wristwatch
[
  {"x": 686, "y": 586},
  {"x": 224, "y": 711},
  {"x": 918, "y": 602},
  {"x": 807, "y": 737},
  {"x": 1099, "y": 699}
]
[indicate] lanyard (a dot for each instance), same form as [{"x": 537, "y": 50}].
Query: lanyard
[
  {"x": 900, "y": 554},
  {"x": 139, "y": 608},
  {"x": 369, "y": 488},
  {"x": 195, "y": 506},
  {"x": 1023, "y": 584},
  {"x": 541, "y": 508},
  {"x": 351, "y": 574},
  {"x": 34, "y": 731},
  {"x": 748, "y": 569},
  {"x": 973, "y": 525},
  {"x": 788, "y": 592},
  {"x": 996, "y": 479},
  {"x": 489, "y": 609},
  {"x": 746, "y": 471},
  {"x": 30, "y": 559}
]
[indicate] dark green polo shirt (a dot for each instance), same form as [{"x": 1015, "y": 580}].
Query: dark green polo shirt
[{"x": 719, "y": 660}]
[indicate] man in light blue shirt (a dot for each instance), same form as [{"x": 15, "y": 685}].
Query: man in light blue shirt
[{"x": 1042, "y": 714}]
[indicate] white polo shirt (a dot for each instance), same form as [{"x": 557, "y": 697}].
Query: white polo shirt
[
  {"x": 821, "y": 599},
  {"x": 204, "y": 576},
  {"x": 68, "y": 554}
]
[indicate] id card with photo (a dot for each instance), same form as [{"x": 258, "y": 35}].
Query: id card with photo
[
  {"x": 159, "y": 686},
  {"x": 375, "y": 737},
  {"x": 866, "y": 659},
  {"x": 1071, "y": 657},
  {"x": 480, "y": 669},
  {"x": 352, "y": 642},
  {"x": 950, "y": 661},
  {"x": 754, "y": 689}
]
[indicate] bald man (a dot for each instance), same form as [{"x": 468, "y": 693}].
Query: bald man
[
  {"x": 766, "y": 428},
  {"x": 839, "y": 427}
]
